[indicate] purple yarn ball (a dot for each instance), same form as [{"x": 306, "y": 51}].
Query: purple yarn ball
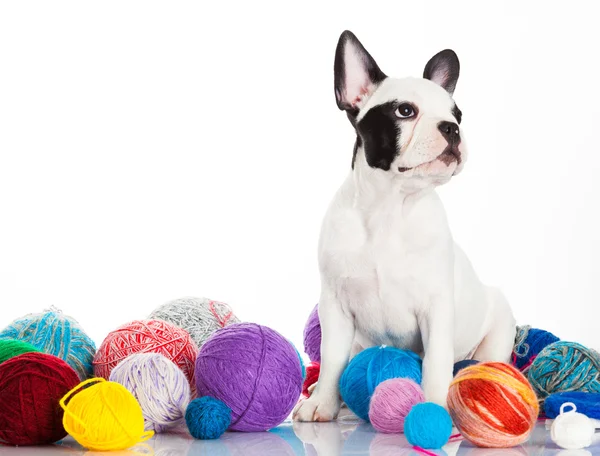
[
  {"x": 312, "y": 336},
  {"x": 255, "y": 371}
]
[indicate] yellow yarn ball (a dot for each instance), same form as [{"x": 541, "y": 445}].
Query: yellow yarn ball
[{"x": 103, "y": 416}]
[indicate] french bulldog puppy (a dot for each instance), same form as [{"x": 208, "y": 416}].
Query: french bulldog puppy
[{"x": 390, "y": 271}]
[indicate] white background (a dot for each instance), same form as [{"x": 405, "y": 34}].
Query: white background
[{"x": 156, "y": 150}]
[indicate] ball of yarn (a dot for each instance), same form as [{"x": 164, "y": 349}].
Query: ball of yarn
[
  {"x": 428, "y": 426},
  {"x": 31, "y": 386},
  {"x": 493, "y": 405},
  {"x": 200, "y": 317},
  {"x": 529, "y": 342},
  {"x": 391, "y": 403},
  {"x": 586, "y": 403},
  {"x": 312, "y": 376},
  {"x": 572, "y": 430},
  {"x": 147, "y": 336},
  {"x": 312, "y": 336},
  {"x": 565, "y": 366},
  {"x": 207, "y": 418},
  {"x": 371, "y": 367},
  {"x": 460, "y": 365},
  {"x": 159, "y": 386},
  {"x": 9, "y": 348},
  {"x": 57, "y": 334},
  {"x": 103, "y": 416},
  {"x": 255, "y": 371}
]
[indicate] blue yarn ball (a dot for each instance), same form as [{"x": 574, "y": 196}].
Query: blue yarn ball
[
  {"x": 529, "y": 342},
  {"x": 460, "y": 365},
  {"x": 371, "y": 367},
  {"x": 207, "y": 418},
  {"x": 565, "y": 366},
  {"x": 302, "y": 366},
  {"x": 428, "y": 426},
  {"x": 586, "y": 403},
  {"x": 56, "y": 334}
]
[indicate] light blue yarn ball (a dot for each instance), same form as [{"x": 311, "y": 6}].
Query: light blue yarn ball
[
  {"x": 207, "y": 418},
  {"x": 428, "y": 426},
  {"x": 371, "y": 367},
  {"x": 56, "y": 334}
]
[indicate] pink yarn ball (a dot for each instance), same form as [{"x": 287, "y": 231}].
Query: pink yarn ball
[{"x": 391, "y": 402}]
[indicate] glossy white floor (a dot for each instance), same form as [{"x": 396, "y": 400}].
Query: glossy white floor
[{"x": 344, "y": 437}]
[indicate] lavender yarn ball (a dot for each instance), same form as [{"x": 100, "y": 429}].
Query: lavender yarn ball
[
  {"x": 200, "y": 317},
  {"x": 391, "y": 402},
  {"x": 255, "y": 371},
  {"x": 159, "y": 385},
  {"x": 312, "y": 336}
]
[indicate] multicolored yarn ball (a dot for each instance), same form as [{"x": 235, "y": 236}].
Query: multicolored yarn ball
[
  {"x": 312, "y": 336},
  {"x": 529, "y": 342},
  {"x": 207, "y": 418},
  {"x": 9, "y": 348},
  {"x": 200, "y": 317},
  {"x": 103, "y": 416},
  {"x": 392, "y": 400},
  {"x": 565, "y": 366},
  {"x": 159, "y": 386},
  {"x": 31, "y": 386},
  {"x": 312, "y": 376},
  {"x": 255, "y": 371},
  {"x": 428, "y": 426},
  {"x": 371, "y": 367},
  {"x": 493, "y": 405},
  {"x": 147, "y": 336},
  {"x": 586, "y": 403},
  {"x": 57, "y": 334},
  {"x": 460, "y": 365}
]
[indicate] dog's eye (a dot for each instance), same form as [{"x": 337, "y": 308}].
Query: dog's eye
[{"x": 404, "y": 111}]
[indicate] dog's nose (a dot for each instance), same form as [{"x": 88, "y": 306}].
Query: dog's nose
[{"x": 449, "y": 131}]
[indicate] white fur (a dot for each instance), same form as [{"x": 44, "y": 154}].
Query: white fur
[{"x": 390, "y": 270}]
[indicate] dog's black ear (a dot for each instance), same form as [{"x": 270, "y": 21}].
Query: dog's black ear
[
  {"x": 356, "y": 74},
  {"x": 443, "y": 69}
]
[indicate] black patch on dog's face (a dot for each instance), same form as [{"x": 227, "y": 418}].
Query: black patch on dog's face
[
  {"x": 457, "y": 113},
  {"x": 378, "y": 131}
]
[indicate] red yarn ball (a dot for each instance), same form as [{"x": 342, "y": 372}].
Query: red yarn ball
[
  {"x": 312, "y": 376},
  {"x": 147, "y": 336},
  {"x": 31, "y": 386}
]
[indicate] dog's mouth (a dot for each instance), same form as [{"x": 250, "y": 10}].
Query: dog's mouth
[{"x": 449, "y": 155}]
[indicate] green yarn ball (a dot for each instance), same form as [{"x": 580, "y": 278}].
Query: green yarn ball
[{"x": 9, "y": 348}]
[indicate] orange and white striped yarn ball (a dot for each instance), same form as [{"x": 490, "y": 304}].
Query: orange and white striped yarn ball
[
  {"x": 147, "y": 336},
  {"x": 493, "y": 405}
]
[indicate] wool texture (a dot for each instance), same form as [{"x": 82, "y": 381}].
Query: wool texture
[
  {"x": 565, "y": 366},
  {"x": 312, "y": 376},
  {"x": 460, "y": 365},
  {"x": 572, "y": 430},
  {"x": 31, "y": 386},
  {"x": 207, "y": 418},
  {"x": 312, "y": 336},
  {"x": 529, "y": 342},
  {"x": 159, "y": 386},
  {"x": 9, "y": 348},
  {"x": 57, "y": 334},
  {"x": 103, "y": 416},
  {"x": 493, "y": 405},
  {"x": 200, "y": 317},
  {"x": 255, "y": 371},
  {"x": 371, "y": 367},
  {"x": 391, "y": 402},
  {"x": 586, "y": 403},
  {"x": 428, "y": 426},
  {"x": 147, "y": 336}
]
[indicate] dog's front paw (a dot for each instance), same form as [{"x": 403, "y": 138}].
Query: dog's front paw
[
  {"x": 316, "y": 409},
  {"x": 436, "y": 392}
]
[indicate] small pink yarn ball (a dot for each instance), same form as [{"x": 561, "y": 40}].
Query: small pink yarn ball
[{"x": 391, "y": 402}]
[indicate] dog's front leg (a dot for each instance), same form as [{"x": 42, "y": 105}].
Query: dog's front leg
[
  {"x": 337, "y": 333},
  {"x": 437, "y": 332}
]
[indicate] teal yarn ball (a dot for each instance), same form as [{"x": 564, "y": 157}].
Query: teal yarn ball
[
  {"x": 428, "y": 426},
  {"x": 371, "y": 367},
  {"x": 565, "y": 366},
  {"x": 207, "y": 418},
  {"x": 56, "y": 334}
]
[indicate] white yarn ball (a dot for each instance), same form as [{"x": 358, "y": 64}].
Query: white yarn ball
[
  {"x": 572, "y": 430},
  {"x": 200, "y": 317}
]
